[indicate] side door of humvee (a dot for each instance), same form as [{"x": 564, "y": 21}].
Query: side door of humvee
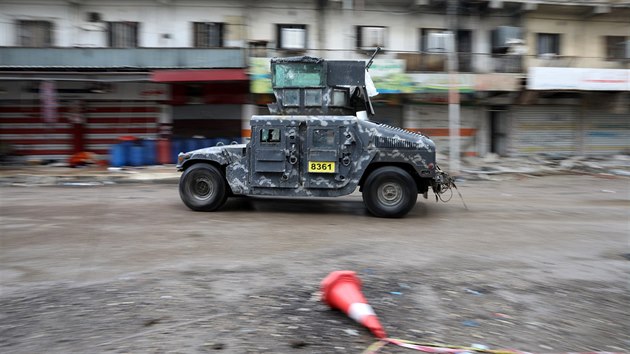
[
  {"x": 275, "y": 149},
  {"x": 330, "y": 149}
]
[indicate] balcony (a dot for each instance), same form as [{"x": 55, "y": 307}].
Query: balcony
[
  {"x": 466, "y": 62},
  {"x": 115, "y": 58}
]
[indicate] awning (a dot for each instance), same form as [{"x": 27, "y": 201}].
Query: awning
[{"x": 199, "y": 75}]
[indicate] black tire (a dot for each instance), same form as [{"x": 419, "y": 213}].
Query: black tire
[
  {"x": 202, "y": 187},
  {"x": 389, "y": 192}
]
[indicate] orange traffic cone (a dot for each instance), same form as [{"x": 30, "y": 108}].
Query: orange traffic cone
[{"x": 342, "y": 290}]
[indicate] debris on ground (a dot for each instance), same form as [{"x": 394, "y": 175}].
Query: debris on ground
[{"x": 541, "y": 165}]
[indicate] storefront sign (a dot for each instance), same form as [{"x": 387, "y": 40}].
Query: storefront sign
[
  {"x": 389, "y": 76},
  {"x": 587, "y": 79}
]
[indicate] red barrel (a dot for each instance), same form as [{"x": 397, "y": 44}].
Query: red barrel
[{"x": 164, "y": 151}]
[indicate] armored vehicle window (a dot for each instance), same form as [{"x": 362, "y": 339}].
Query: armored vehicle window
[
  {"x": 323, "y": 137},
  {"x": 340, "y": 98},
  {"x": 292, "y": 98},
  {"x": 270, "y": 135},
  {"x": 313, "y": 97},
  {"x": 298, "y": 75}
]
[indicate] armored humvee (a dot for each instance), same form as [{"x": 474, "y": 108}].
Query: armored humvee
[{"x": 317, "y": 142}]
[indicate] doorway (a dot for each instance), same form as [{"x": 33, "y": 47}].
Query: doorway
[{"x": 498, "y": 130}]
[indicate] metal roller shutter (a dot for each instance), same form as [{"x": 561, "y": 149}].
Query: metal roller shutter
[
  {"x": 24, "y": 132},
  {"x": 106, "y": 122},
  {"x": 23, "y": 129},
  {"x": 606, "y": 133},
  {"x": 544, "y": 129},
  {"x": 432, "y": 120}
]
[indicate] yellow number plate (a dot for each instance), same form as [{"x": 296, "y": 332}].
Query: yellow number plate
[{"x": 321, "y": 167}]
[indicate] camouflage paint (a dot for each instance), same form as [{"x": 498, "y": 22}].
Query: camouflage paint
[{"x": 280, "y": 168}]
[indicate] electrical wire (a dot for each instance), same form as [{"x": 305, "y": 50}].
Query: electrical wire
[{"x": 435, "y": 348}]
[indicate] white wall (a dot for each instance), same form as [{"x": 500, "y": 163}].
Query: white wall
[
  {"x": 167, "y": 23},
  {"x": 581, "y": 37},
  {"x": 156, "y": 19}
]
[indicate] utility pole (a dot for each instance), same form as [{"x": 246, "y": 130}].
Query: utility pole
[{"x": 453, "y": 90}]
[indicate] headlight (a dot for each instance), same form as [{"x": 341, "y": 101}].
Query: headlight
[{"x": 182, "y": 157}]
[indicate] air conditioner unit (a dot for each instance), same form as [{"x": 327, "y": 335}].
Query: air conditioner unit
[
  {"x": 372, "y": 37},
  {"x": 442, "y": 42},
  {"x": 504, "y": 36}
]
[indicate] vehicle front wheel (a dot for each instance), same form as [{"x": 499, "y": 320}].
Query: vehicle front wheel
[
  {"x": 389, "y": 192},
  {"x": 202, "y": 187}
]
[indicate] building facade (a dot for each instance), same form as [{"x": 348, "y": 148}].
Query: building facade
[{"x": 544, "y": 77}]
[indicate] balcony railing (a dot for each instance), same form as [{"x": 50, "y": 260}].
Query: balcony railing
[
  {"x": 132, "y": 58},
  {"x": 188, "y": 58},
  {"x": 480, "y": 63}
]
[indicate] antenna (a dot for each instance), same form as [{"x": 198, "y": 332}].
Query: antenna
[{"x": 367, "y": 67}]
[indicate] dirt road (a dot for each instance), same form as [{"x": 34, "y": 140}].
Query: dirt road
[{"x": 536, "y": 264}]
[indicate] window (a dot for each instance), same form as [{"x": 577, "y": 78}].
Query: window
[
  {"x": 298, "y": 75},
  {"x": 270, "y": 135},
  {"x": 504, "y": 38},
  {"x": 313, "y": 97},
  {"x": 370, "y": 37},
  {"x": 208, "y": 34},
  {"x": 615, "y": 47},
  {"x": 291, "y": 37},
  {"x": 464, "y": 50},
  {"x": 122, "y": 34},
  {"x": 435, "y": 40},
  {"x": 323, "y": 137},
  {"x": 291, "y": 98},
  {"x": 548, "y": 43},
  {"x": 34, "y": 34},
  {"x": 339, "y": 98}
]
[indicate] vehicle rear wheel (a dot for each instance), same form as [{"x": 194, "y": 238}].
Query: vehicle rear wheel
[
  {"x": 202, "y": 187},
  {"x": 389, "y": 192}
]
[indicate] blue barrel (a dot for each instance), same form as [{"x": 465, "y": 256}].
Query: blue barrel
[
  {"x": 117, "y": 155},
  {"x": 150, "y": 152},
  {"x": 176, "y": 148},
  {"x": 200, "y": 143},
  {"x": 126, "y": 147},
  {"x": 190, "y": 144},
  {"x": 208, "y": 143},
  {"x": 136, "y": 157}
]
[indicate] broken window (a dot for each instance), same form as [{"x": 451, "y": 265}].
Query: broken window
[
  {"x": 270, "y": 135},
  {"x": 298, "y": 75}
]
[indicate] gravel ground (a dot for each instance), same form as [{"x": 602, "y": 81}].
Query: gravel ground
[{"x": 536, "y": 264}]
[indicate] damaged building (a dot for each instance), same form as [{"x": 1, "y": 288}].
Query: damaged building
[{"x": 545, "y": 77}]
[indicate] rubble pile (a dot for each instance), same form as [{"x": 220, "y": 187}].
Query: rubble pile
[{"x": 540, "y": 165}]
